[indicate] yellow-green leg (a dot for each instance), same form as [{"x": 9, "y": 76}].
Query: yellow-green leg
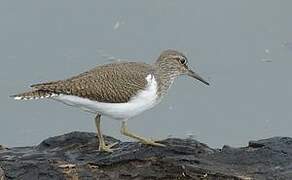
[
  {"x": 125, "y": 131},
  {"x": 102, "y": 146}
]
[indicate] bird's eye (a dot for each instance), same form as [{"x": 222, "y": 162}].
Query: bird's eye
[{"x": 183, "y": 61}]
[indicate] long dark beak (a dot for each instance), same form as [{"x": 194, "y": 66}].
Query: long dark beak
[{"x": 195, "y": 75}]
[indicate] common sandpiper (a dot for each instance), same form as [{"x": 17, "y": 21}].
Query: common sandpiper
[{"x": 119, "y": 90}]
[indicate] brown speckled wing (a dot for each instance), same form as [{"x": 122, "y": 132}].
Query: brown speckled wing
[{"x": 112, "y": 83}]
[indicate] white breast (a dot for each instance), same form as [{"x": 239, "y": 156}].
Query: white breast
[{"x": 145, "y": 99}]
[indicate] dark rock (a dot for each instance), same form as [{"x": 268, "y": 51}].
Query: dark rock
[{"x": 75, "y": 156}]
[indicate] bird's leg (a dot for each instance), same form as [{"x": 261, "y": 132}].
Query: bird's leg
[
  {"x": 125, "y": 131},
  {"x": 102, "y": 146}
]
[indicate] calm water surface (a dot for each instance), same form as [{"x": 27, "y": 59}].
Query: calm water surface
[{"x": 242, "y": 47}]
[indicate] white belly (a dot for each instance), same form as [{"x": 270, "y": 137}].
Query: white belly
[{"x": 145, "y": 99}]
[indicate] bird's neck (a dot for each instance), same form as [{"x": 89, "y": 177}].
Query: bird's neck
[{"x": 165, "y": 79}]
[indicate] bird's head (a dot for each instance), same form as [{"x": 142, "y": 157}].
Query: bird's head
[{"x": 175, "y": 63}]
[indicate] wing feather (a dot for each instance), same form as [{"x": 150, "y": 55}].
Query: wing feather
[{"x": 112, "y": 83}]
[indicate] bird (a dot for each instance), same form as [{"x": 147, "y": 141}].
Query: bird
[{"x": 119, "y": 90}]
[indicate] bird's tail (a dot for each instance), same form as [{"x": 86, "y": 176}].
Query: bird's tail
[{"x": 35, "y": 94}]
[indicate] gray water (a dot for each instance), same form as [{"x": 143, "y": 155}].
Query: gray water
[{"x": 244, "y": 48}]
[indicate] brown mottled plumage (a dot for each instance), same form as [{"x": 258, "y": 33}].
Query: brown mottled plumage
[{"x": 112, "y": 83}]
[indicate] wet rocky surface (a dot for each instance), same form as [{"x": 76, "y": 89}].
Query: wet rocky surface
[{"x": 75, "y": 156}]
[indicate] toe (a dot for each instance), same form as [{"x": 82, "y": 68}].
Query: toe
[
  {"x": 107, "y": 148},
  {"x": 158, "y": 144},
  {"x": 112, "y": 145},
  {"x": 153, "y": 143}
]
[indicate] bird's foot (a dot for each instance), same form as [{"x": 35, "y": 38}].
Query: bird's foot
[
  {"x": 152, "y": 143},
  {"x": 107, "y": 148}
]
